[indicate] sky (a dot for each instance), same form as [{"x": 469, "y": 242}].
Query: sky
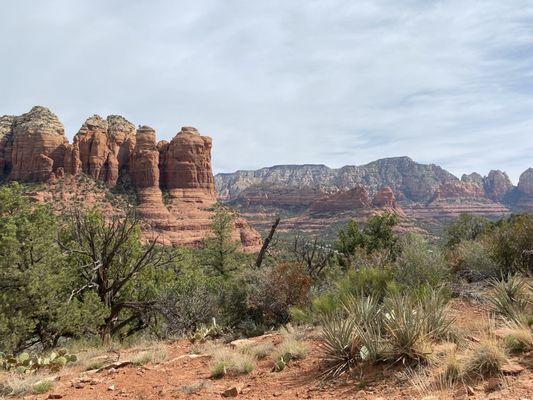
[{"x": 287, "y": 81}]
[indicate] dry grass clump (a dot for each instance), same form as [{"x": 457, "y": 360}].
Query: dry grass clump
[
  {"x": 259, "y": 351},
  {"x": 195, "y": 388},
  {"x": 22, "y": 384},
  {"x": 290, "y": 349},
  {"x": 227, "y": 361},
  {"x": 156, "y": 355},
  {"x": 518, "y": 339},
  {"x": 485, "y": 359}
]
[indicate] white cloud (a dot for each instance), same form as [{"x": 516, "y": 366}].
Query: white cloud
[{"x": 336, "y": 82}]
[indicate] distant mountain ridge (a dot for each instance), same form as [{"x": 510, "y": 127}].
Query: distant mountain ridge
[
  {"x": 421, "y": 191},
  {"x": 410, "y": 180}
]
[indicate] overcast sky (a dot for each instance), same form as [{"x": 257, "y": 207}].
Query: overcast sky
[{"x": 287, "y": 82}]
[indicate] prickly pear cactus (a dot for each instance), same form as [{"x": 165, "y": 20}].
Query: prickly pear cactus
[{"x": 24, "y": 363}]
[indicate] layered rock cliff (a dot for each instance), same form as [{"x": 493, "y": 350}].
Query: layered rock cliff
[
  {"x": 418, "y": 192},
  {"x": 34, "y": 148}
]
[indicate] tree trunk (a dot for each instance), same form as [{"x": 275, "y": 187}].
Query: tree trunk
[{"x": 267, "y": 241}]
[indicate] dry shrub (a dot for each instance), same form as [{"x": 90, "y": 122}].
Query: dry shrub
[
  {"x": 284, "y": 286},
  {"x": 22, "y": 384}
]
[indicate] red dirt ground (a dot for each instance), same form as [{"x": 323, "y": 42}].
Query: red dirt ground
[{"x": 183, "y": 372}]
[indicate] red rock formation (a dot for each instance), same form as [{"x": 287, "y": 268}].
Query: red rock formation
[
  {"x": 351, "y": 199},
  {"x": 384, "y": 198},
  {"x": 187, "y": 178},
  {"x": 37, "y": 139},
  {"x": 523, "y": 196},
  {"x": 525, "y": 182},
  {"x": 144, "y": 163},
  {"x": 105, "y": 147},
  {"x": 6, "y": 144},
  {"x": 33, "y": 148},
  {"x": 185, "y": 165},
  {"x": 497, "y": 184},
  {"x": 458, "y": 189}
]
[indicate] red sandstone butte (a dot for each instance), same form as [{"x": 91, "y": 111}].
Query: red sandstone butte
[{"x": 34, "y": 148}]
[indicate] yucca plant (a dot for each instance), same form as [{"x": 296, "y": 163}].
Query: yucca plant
[
  {"x": 433, "y": 306},
  {"x": 361, "y": 309},
  {"x": 405, "y": 329},
  {"x": 341, "y": 346},
  {"x": 512, "y": 299}
]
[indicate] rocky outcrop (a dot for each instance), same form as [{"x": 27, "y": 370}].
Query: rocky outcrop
[
  {"x": 525, "y": 182},
  {"x": 384, "y": 198},
  {"x": 186, "y": 162},
  {"x": 497, "y": 184},
  {"x": 457, "y": 190},
  {"x": 352, "y": 199},
  {"x": 33, "y": 148},
  {"x": 144, "y": 162},
  {"x": 105, "y": 147},
  {"x": 522, "y": 197},
  {"x": 6, "y": 144},
  {"x": 408, "y": 180}
]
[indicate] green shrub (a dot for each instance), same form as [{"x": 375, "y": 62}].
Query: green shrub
[
  {"x": 190, "y": 302},
  {"x": 466, "y": 227},
  {"x": 369, "y": 281},
  {"x": 511, "y": 244},
  {"x": 377, "y": 235},
  {"x": 474, "y": 261},
  {"x": 420, "y": 264}
]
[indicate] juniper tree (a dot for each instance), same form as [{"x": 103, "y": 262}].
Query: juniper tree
[
  {"x": 220, "y": 252},
  {"x": 37, "y": 306},
  {"x": 112, "y": 260}
]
